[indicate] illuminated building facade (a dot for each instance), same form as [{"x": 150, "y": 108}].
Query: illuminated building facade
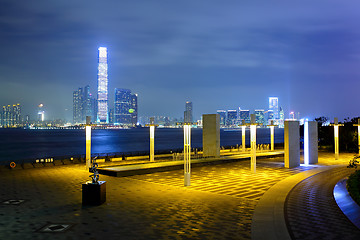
[
  {"x": 11, "y": 116},
  {"x": 244, "y": 115},
  {"x": 41, "y": 113},
  {"x": 222, "y": 114},
  {"x": 259, "y": 116},
  {"x": 83, "y": 105},
  {"x": 231, "y": 117},
  {"x": 134, "y": 109},
  {"x": 188, "y": 113},
  {"x": 125, "y": 112},
  {"x": 274, "y": 106},
  {"x": 102, "y": 97}
]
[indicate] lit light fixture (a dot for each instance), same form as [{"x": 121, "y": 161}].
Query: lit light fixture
[
  {"x": 187, "y": 153},
  {"x": 358, "y": 125},
  {"x": 272, "y": 126},
  {"x": 88, "y": 146},
  {"x": 336, "y": 136}
]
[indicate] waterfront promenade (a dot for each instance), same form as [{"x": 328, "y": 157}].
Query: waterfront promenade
[{"x": 221, "y": 203}]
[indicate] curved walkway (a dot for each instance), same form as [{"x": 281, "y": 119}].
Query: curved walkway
[
  {"x": 311, "y": 211},
  {"x": 268, "y": 220}
]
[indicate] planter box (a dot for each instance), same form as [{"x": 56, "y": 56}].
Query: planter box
[{"x": 94, "y": 194}]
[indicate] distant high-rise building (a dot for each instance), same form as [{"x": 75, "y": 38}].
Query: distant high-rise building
[
  {"x": 292, "y": 115},
  {"x": 102, "y": 95},
  {"x": 281, "y": 118},
  {"x": 77, "y": 105},
  {"x": 259, "y": 116},
  {"x": 244, "y": 115},
  {"x": 83, "y": 105},
  {"x": 133, "y": 109},
  {"x": 222, "y": 114},
  {"x": 188, "y": 113},
  {"x": 126, "y": 110},
  {"x": 11, "y": 116},
  {"x": 111, "y": 116},
  {"x": 269, "y": 116},
  {"x": 274, "y": 106},
  {"x": 231, "y": 117},
  {"x": 41, "y": 113}
]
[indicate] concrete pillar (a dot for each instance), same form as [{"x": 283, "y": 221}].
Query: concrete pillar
[
  {"x": 292, "y": 144},
  {"x": 211, "y": 135}
]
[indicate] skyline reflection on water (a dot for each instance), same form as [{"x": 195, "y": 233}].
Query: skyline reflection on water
[{"x": 28, "y": 145}]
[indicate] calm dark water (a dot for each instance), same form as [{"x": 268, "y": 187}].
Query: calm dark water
[{"x": 28, "y": 145}]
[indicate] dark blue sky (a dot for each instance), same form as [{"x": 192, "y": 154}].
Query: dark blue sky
[{"x": 217, "y": 54}]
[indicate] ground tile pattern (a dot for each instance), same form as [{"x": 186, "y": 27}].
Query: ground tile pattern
[
  {"x": 311, "y": 210},
  {"x": 134, "y": 209},
  {"x": 233, "y": 179}
]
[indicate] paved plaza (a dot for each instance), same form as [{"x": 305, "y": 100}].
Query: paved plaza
[{"x": 45, "y": 203}]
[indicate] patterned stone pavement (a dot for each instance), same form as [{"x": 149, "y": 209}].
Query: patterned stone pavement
[
  {"x": 311, "y": 210},
  {"x": 46, "y": 203}
]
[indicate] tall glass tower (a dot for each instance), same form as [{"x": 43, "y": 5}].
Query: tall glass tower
[
  {"x": 102, "y": 97},
  {"x": 274, "y": 105}
]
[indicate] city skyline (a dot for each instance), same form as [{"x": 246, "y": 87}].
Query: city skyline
[{"x": 309, "y": 60}]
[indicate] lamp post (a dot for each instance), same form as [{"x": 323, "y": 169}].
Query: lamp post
[
  {"x": 187, "y": 153},
  {"x": 253, "y": 125},
  {"x": 272, "y": 126},
  {"x": 152, "y": 138},
  {"x": 358, "y": 125},
  {"x": 88, "y": 142},
  {"x": 243, "y": 129},
  {"x": 336, "y": 136}
]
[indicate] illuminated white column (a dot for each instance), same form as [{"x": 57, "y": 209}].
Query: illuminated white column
[
  {"x": 187, "y": 152},
  {"x": 152, "y": 134},
  {"x": 88, "y": 146},
  {"x": 243, "y": 129},
  {"x": 306, "y": 142},
  {"x": 253, "y": 143}
]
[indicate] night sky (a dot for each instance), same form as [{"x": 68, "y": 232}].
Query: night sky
[{"x": 217, "y": 54}]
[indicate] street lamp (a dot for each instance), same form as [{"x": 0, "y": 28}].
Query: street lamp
[
  {"x": 253, "y": 125},
  {"x": 358, "y": 125},
  {"x": 243, "y": 128},
  {"x": 272, "y": 126},
  {"x": 152, "y": 138},
  {"x": 187, "y": 153},
  {"x": 336, "y": 136}
]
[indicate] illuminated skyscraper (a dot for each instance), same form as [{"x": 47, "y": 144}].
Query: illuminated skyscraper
[
  {"x": 125, "y": 112},
  {"x": 102, "y": 97},
  {"x": 274, "y": 106},
  {"x": 41, "y": 113},
  {"x": 231, "y": 117},
  {"x": 222, "y": 114},
  {"x": 188, "y": 113},
  {"x": 244, "y": 115},
  {"x": 134, "y": 109},
  {"x": 259, "y": 116}
]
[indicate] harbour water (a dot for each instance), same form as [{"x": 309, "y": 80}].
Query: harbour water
[{"x": 28, "y": 145}]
